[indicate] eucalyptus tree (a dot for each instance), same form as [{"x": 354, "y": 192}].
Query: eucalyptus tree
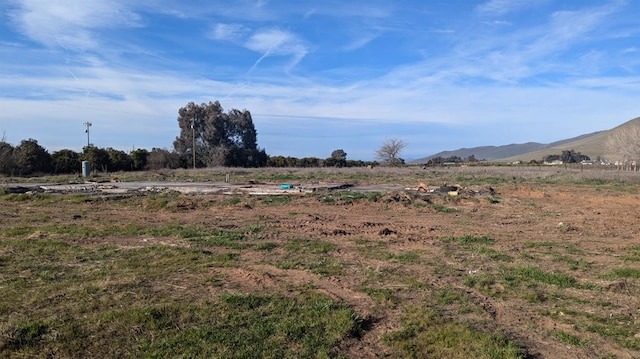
[{"x": 215, "y": 138}]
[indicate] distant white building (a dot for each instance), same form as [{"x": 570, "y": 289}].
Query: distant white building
[{"x": 554, "y": 162}]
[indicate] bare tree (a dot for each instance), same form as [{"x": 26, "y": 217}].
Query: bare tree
[
  {"x": 390, "y": 150},
  {"x": 623, "y": 144}
]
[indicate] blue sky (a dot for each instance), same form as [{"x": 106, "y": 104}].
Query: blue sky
[{"x": 319, "y": 75}]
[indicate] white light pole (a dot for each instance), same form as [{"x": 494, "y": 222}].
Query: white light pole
[
  {"x": 87, "y": 125},
  {"x": 193, "y": 133}
]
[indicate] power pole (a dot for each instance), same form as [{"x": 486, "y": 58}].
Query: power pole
[
  {"x": 87, "y": 125},
  {"x": 193, "y": 133}
]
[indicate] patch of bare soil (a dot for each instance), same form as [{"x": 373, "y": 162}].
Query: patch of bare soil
[{"x": 548, "y": 227}]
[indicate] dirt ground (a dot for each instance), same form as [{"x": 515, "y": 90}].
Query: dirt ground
[{"x": 589, "y": 226}]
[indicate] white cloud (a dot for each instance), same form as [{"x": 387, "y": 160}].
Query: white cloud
[
  {"x": 69, "y": 23},
  {"x": 503, "y": 7},
  {"x": 229, "y": 32},
  {"x": 276, "y": 42},
  {"x": 361, "y": 41}
]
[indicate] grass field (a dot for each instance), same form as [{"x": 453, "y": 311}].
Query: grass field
[{"x": 535, "y": 269}]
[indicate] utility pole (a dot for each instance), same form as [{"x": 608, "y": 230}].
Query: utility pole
[
  {"x": 87, "y": 125},
  {"x": 193, "y": 133}
]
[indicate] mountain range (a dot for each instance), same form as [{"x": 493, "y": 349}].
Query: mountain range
[{"x": 592, "y": 145}]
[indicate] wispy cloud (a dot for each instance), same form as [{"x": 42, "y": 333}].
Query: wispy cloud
[
  {"x": 229, "y": 32},
  {"x": 276, "y": 42},
  {"x": 503, "y": 7},
  {"x": 360, "y": 42},
  {"x": 70, "y": 23},
  {"x": 511, "y": 54}
]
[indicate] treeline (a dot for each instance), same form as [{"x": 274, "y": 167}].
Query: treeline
[
  {"x": 567, "y": 156},
  {"x": 29, "y": 159},
  {"x": 439, "y": 160},
  {"x": 281, "y": 161}
]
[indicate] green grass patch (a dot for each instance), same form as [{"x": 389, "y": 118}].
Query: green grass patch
[
  {"x": 469, "y": 239},
  {"x": 485, "y": 283},
  {"x": 311, "y": 255},
  {"x": 571, "y": 339},
  {"x": 632, "y": 254},
  {"x": 315, "y": 246},
  {"x": 23, "y": 197},
  {"x": 409, "y": 257},
  {"x": 156, "y": 203},
  {"x": 265, "y": 246},
  {"x": 494, "y": 255},
  {"x": 443, "y": 209},
  {"x": 347, "y": 196},
  {"x": 427, "y": 334},
  {"x": 386, "y": 296},
  {"x": 528, "y": 274},
  {"x": 213, "y": 237},
  {"x": 625, "y": 272},
  {"x": 75, "y": 301},
  {"x": 279, "y": 200}
]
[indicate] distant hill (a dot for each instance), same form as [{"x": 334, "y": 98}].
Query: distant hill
[
  {"x": 493, "y": 153},
  {"x": 592, "y": 145}
]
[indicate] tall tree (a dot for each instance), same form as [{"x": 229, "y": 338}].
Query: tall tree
[
  {"x": 339, "y": 158},
  {"x": 32, "y": 158},
  {"x": 218, "y": 138},
  {"x": 97, "y": 157},
  {"x": 66, "y": 161},
  {"x": 119, "y": 160},
  {"x": 139, "y": 159},
  {"x": 7, "y": 158},
  {"x": 389, "y": 152},
  {"x": 160, "y": 158}
]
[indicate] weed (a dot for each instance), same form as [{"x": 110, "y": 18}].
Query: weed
[
  {"x": 493, "y": 199},
  {"x": 327, "y": 200}
]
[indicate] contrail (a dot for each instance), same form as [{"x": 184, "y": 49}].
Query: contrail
[
  {"x": 86, "y": 90},
  {"x": 253, "y": 67}
]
